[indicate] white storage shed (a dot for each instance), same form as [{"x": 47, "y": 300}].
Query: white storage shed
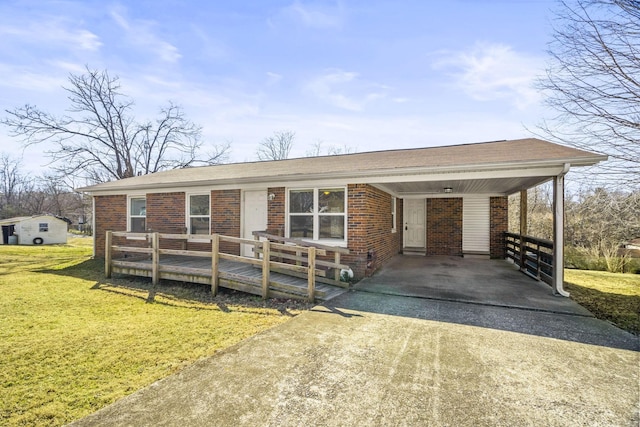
[{"x": 33, "y": 230}]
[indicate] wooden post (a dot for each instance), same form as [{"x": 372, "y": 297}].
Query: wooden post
[
  {"x": 256, "y": 255},
  {"x": 215, "y": 263},
  {"x": 311, "y": 274},
  {"x": 523, "y": 228},
  {"x": 266, "y": 266},
  {"x": 107, "y": 255},
  {"x": 336, "y": 274},
  {"x": 155, "y": 258},
  {"x": 538, "y": 261}
]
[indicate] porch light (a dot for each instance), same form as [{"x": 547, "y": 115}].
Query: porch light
[{"x": 448, "y": 189}]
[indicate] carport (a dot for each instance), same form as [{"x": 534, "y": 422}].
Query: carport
[{"x": 461, "y": 200}]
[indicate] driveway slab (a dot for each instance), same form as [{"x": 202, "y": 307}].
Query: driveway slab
[
  {"x": 471, "y": 280},
  {"x": 370, "y": 359}
]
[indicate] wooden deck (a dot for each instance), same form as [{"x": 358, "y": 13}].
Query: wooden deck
[
  {"x": 232, "y": 275},
  {"x": 303, "y": 277}
]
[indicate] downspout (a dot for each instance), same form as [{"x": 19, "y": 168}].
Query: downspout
[{"x": 558, "y": 232}]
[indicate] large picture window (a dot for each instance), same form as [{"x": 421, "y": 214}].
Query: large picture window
[
  {"x": 317, "y": 214},
  {"x": 138, "y": 214},
  {"x": 199, "y": 214}
]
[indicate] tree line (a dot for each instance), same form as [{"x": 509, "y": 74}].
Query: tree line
[
  {"x": 26, "y": 195},
  {"x": 598, "y": 222}
]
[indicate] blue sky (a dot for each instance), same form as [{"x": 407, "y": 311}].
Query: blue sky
[{"x": 370, "y": 75}]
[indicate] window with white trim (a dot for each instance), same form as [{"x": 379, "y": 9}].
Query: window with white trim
[
  {"x": 138, "y": 214},
  {"x": 199, "y": 214},
  {"x": 318, "y": 214}
]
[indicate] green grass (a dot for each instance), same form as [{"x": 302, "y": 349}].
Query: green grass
[
  {"x": 72, "y": 342},
  {"x": 614, "y": 297}
]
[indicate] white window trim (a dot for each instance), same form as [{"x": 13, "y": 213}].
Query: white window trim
[
  {"x": 316, "y": 215},
  {"x": 129, "y": 199},
  {"x": 188, "y": 216},
  {"x": 394, "y": 222}
]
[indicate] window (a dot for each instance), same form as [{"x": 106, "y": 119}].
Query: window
[
  {"x": 138, "y": 214},
  {"x": 393, "y": 214},
  {"x": 317, "y": 214},
  {"x": 44, "y": 227},
  {"x": 199, "y": 214}
]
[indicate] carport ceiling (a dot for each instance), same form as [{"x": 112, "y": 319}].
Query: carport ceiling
[{"x": 503, "y": 186}]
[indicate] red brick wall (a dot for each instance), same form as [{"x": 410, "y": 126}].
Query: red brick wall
[
  {"x": 276, "y": 211},
  {"x": 444, "y": 226},
  {"x": 370, "y": 239},
  {"x": 225, "y": 217},
  {"x": 110, "y": 215},
  {"x": 166, "y": 212},
  {"x": 499, "y": 224}
]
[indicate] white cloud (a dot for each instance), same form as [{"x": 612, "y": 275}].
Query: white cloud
[
  {"x": 141, "y": 33},
  {"x": 50, "y": 30},
  {"x": 273, "y": 78},
  {"x": 494, "y": 71},
  {"x": 17, "y": 77},
  {"x": 344, "y": 89},
  {"x": 313, "y": 15}
]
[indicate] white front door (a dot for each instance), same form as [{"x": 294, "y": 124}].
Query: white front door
[
  {"x": 254, "y": 216},
  {"x": 415, "y": 235}
]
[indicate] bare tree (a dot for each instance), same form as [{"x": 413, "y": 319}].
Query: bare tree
[
  {"x": 277, "y": 146},
  {"x": 10, "y": 179},
  {"x": 318, "y": 149},
  {"x": 99, "y": 138},
  {"x": 593, "y": 83}
]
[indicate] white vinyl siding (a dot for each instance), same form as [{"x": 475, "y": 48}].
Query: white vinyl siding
[{"x": 475, "y": 224}]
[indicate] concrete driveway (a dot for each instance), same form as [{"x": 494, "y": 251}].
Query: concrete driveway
[{"x": 376, "y": 357}]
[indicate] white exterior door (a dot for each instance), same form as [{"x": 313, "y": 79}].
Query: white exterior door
[
  {"x": 254, "y": 216},
  {"x": 415, "y": 234}
]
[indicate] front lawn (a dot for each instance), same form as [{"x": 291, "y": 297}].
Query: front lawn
[
  {"x": 614, "y": 297},
  {"x": 72, "y": 342}
]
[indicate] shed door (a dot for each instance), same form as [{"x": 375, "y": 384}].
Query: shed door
[
  {"x": 254, "y": 216},
  {"x": 415, "y": 234},
  {"x": 475, "y": 224}
]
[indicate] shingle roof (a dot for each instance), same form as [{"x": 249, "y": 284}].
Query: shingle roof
[{"x": 459, "y": 157}]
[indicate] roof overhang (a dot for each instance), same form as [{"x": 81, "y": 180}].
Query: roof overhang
[{"x": 502, "y": 167}]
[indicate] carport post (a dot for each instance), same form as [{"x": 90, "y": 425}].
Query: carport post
[
  {"x": 523, "y": 227},
  {"x": 558, "y": 233}
]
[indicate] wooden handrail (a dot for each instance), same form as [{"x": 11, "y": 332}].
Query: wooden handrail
[
  {"x": 299, "y": 242},
  {"x": 533, "y": 255},
  {"x": 263, "y": 247},
  {"x": 296, "y": 245}
]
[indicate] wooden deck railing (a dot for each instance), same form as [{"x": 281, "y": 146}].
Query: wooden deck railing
[
  {"x": 533, "y": 255},
  {"x": 290, "y": 251},
  {"x": 304, "y": 258}
]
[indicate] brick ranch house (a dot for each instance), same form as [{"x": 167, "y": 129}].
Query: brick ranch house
[{"x": 428, "y": 201}]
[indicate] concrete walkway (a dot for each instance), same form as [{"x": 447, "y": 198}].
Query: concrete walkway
[{"x": 369, "y": 358}]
